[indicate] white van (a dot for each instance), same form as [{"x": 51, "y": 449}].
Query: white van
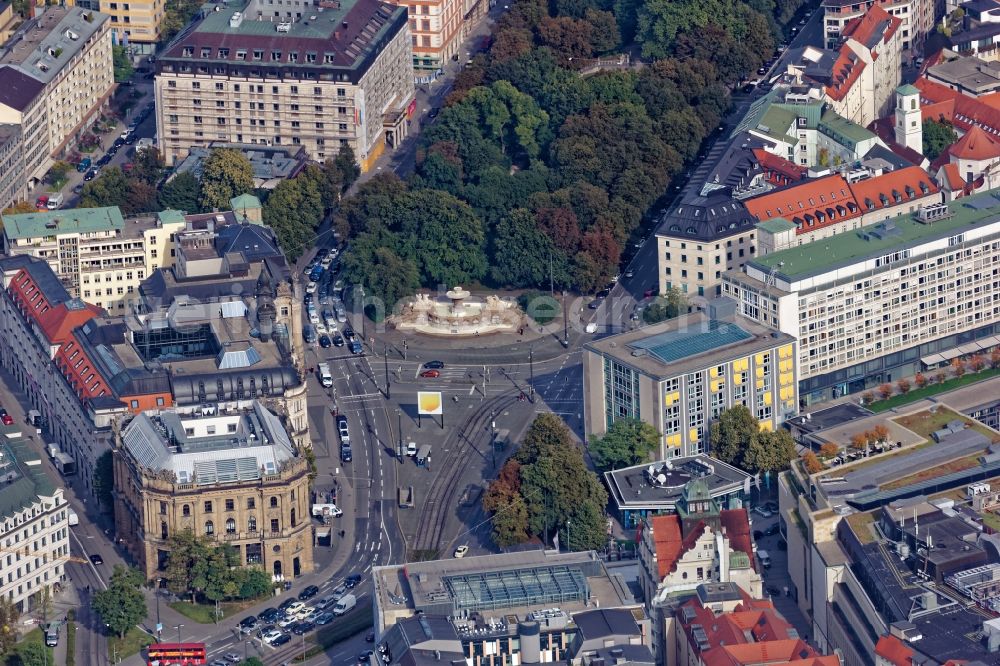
[
  {"x": 325, "y": 378},
  {"x": 765, "y": 558},
  {"x": 72, "y": 517},
  {"x": 411, "y": 449}
]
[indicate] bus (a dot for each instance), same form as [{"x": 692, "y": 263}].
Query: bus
[{"x": 175, "y": 654}]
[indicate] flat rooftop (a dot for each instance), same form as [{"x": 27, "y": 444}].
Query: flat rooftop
[
  {"x": 24, "y": 479},
  {"x": 969, "y": 72},
  {"x": 268, "y": 163},
  {"x": 641, "y": 487},
  {"x": 45, "y": 44},
  {"x": 688, "y": 343},
  {"x": 58, "y": 222},
  {"x": 851, "y": 247},
  {"x": 508, "y": 585},
  {"x": 830, "y": 417}
]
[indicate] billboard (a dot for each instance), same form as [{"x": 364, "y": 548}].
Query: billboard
[{"x": 429, "y": 403}]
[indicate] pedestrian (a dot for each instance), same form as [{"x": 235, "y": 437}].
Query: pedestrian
[{"x": 786, "y": 591}]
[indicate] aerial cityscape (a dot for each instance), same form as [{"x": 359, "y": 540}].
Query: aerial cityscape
[{"x": 499, "y": 332}]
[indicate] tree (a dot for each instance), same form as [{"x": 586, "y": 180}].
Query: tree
[
  {"x": 829, "y": 450},
  {"x": 879, "y": 433},
  {"x": 182, "y": 192},
  {"x": 32, "y": 654},
  {"x": 958, "y": 367},
  {"x": 521, "y": 251},
  {"x": 226, "y": 173},
  {"x": 811, "y": 463},
  {"x": 940, "y": 376},
  {"x": 108, "y": 189},
  {"x": 187, "y": 552},
  {"x": 868, "y": 397},
  {"x": 104, "y": 480},
  {"x": 885, "y": 390},
  {"x": 122, "y": 64},
  {"x": 669, "y": 305},
  {"x": 122, "y": 605},
  {"x": 147, "y": 166},
  {"x": 769, "y": 451},
  {"x": 977, "y": 362},
  {"x": 546, "y": 433},
  {"x": 937, "y": 135},
  {"x": 59, "y": 170},
  {"x": 920, "y": 380},
  {"x": 20, "y": 208},
  {"x": 9, "y": 616},
  {"x": 375, "y": 263},
  {"x": 995, "y": 358},
  {"x": 292, "y": 212},
  {"x": 509, "y": 514},
  {"x": 627, "y": 442},
  {"x": 251, "y": 661},
  {"x": 347, "y": 166},
  {"x": 585, "y": 529},
  {"x": 732, "y": 432},
  {"x": 859, "y": 441},
  {"x": 903, "y": 385},
  {"x": 140, "y": 197}
]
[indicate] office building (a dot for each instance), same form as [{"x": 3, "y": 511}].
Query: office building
[
  {"x": 916, "y": 20},
  {"x": 499, "y": 609},
  {"x": 34, "y": 525},
  {"x": 135, "y": 24},
  {"x": 232, "y": 476},
  {"x": 647, "y": 490},
  {"x": 437, "y": 29},
  {"x": 24, "y": 118},
  {"x": 67, "y": 50},
  {"x": 98, "y": 255},
  {"x": 337, "y": 73},
  {"x": 679, "y": 375},
  {"x": 882, "y": 302}
]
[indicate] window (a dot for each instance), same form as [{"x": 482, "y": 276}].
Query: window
[
  {"x": 163, "y": 508},
  {"x": 163, "y": 530},
  {"x": 293, "y": 517},
  {"x": 186, "y": 510},
  {"x": 230, "y": 505},
  {"x": 252, "y": 524},
  {"x": 208, "y": 507},
  {"x": 251, "y": 503},
  {"x": 275, "y": 525},
  {"x": 209, "y": 527},
  {"x": 274, "y": 502},
  {"x": 231, "y": 526}
]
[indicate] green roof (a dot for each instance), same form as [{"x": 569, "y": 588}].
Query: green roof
[
  {"x": 775, "y": 123},
  {"x": 170, "y": 216},
  {"x": 908, "y": 89},
  {"x": 244, "y": 201},
  {"x": 30, "y": 478},
  {"x": 54, "y": 222},
  {"x": 776, "y": 225},
  {"x": 850, "y": 247},
  {"x": 844, "y": 131}
]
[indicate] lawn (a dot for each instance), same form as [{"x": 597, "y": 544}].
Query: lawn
[
  {"x": 13, "y": 657},
  {"x": 205, "y": 613},
  {"x": 925, "y": 423},
  {"x": 932, "y": 389},
  {"x": 957, "y": 465},
  {"x": 135, "y": 640},
  {"x": 863, "y": 526}
]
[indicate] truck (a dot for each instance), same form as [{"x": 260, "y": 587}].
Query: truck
[
  {"x": 325, "y": 378},
  {"x": 72, "y": 517},
  {"x": 55, "y": 201},
  {"x": 65, "y": 464},
  {"x": 52, "y": 634},
  {"x": 404, "y": 496},
  {"x": 52, "y": 449},
  {"x": 346, "y": 603}
]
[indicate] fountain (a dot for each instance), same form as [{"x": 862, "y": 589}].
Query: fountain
[{"x": 459, "y": 315}]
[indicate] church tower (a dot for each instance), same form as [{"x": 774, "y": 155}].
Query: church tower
[{"x": 909, "y": 126}]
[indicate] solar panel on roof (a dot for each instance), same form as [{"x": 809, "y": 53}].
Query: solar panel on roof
[
  {"x": 981, "y": 202},
  {"x": 675, "y": 345}
]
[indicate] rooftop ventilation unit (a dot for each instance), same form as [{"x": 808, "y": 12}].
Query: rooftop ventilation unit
[
  {"x": 932, "y": 213},
  {"x": 236, "y": 20},
  {"x": 283, "y": 27}
]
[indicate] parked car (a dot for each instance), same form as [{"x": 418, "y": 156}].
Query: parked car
[
  {"x": 281, "y": 640},
  {"x": 271, "y": 636},
  {"x": 342, "y": 427},
  {"x": 325, "y": 342},
  {"x": 303, "y": 628},
  {"x": 248, "y": 622},
  {"x": 6, "y": 418},
  {"x": 232, "y": 657},
  {"x": 308, "y": 593},
  {"x": 338, "y": 340},
  {"x": 270, "y": 615},
  {"x": 461, "y": 551},
  {"x": 762, "y": 512}
]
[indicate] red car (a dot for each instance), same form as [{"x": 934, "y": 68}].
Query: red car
[
  {"x": 430, "y": 374},
  {"x": 652, "y": 291},
  {"x": 6, "y": 418}
]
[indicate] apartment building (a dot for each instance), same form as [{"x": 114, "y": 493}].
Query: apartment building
[
  {"x": 232, "y": 476},
  {"x": 969, "y": 165},
  {"x": 681, "y": 374},
  {"x": 135, "y": 23},
  {"x": 437, "y": 28},
  {"x": 34, "y": 526},
  {"x": 98, "y": 255},
  {"x": 916, "y": 19},
  {"x": 68, "y": 50},
  {"x": 24, "y": 115},
  {"x": 320, "y": 76},
  {"x": 879, "y": 303}
]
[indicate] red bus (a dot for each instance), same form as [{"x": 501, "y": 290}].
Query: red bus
[{"x": 175, "y": 654}]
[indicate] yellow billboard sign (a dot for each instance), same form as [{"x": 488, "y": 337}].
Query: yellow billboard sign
[{"x": 429, "y": 403}]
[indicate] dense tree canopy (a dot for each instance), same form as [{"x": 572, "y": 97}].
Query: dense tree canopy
[
  {"x": 738, "y": 439},
  {"x": 627, "y": 442},
  {"x": 122, "y": 605},
  {"x": 226, "y": 173},
  {"x": 937, "y": 135}
]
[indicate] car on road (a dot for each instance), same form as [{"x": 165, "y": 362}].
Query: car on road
[
  {"x": 430, "y": 374},
  {"x": 762, "y": 512},
  {"x": 281, "y": 640},
  {"x": 270, "y": 615},
  {"x": 338, "y": 340},
  {"x": 771, "y": 506},
  {"x": 6, "y": 418},
  {"x": 325, "y": 602},
  {"x": 433, "y": 113},
  {"x": 352, "y": 581},
  {"x": 323, "y": 618},
  {"x": 308, "y": 593},
  {"x": 96, "y": 559},
  {"x": 434, "y": 365},
  {"x": 342, "y": 427},
  {"x": 629, "y": 273},
  {"x": 325, "y": 342},
  {"x": 370, "y": 637},
  {"x": 90, "y": 175},
  {"x": 461, "y": 551},
  {"x": 603, "y": 293},
  {"x": 219, "y": 662},
  {"x": 339, "y": 591},
  {"x": 365, "y": 655},
  {"x": 302, "y": 628},
  {"x": 594, "y": 304},
  {"x": 248, "y": 622},
  {"x": 232, "y": 657}
]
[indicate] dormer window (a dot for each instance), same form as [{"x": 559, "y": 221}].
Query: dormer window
[
  {"x": 188, "y": 52},
  {"x": 206, "y": 52}
]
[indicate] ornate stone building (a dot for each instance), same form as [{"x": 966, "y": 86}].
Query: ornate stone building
[{"x": 234, "y": 477}]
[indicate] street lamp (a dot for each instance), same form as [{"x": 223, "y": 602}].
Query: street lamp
[
  {"x": 493, "y": 437},
  {"x": 159, "y": 627},
  {"x": 399, "y": 429},
  {"x": 178, "y": 628},
  {"x": 568, "y": 523},
  {"x": 385, "y": 358},
  {"x": 531, "y": 375}
]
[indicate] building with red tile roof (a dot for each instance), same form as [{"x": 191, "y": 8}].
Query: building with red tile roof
[
  {"x": 969, "y": 165},
  {"x": 718, "y": 628},
  {"x": 700, "y": 543},
  {"x": 777, "y": 170},
  {"x": 891, "y": 651}
]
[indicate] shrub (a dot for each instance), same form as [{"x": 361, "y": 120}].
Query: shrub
[{"x": 885, "y": 390}]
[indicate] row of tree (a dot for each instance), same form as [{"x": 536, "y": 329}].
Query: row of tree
[
  {"x": 199, "y": 567},
  {"x": 547, "y": 173},
  {"x": 546, "y": 489}
]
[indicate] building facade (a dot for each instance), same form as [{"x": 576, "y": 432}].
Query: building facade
[
  {"x": 135, "y": 24},
  {"x": 437, "y": 28},
  {"x": 98, "y": 255},
  {"x": 679, "y": 375},
  {"x": 34, "y": 526},
  {"x": 880, "y": 303},
  {"x": 916, "y": 18},
  {"x": 233, "y": 477},
  {"x": 24, "y": 115},
  {"x": 68, "y": 49},
  {"x": 339, "y": 74}
]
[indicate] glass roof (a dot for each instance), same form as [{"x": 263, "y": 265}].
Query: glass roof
[{"x": 522, "y": 587}]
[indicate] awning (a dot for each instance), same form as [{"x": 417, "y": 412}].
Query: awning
[
  {"x": 970, "y": 348},
  {"x": 933, "y": 359},
  {"x": 951, "y": 353}
]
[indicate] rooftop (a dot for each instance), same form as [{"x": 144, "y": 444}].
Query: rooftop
[
  {"x": 542, "y": 585},
  {"x": 894, "y": 235},
  {"x": 24, "y": 479},
  {"x": 58, "y": 222},
  {"x": 269, "y": 163},
  {"x": 46, "y": 43},
  {"x": 327, "y": 34},
  {"x": 830, "y": 417},
  {"x": 967, "y": 72},
  {"x": 641, "y": 486},
  {"x": 208, "y": 448},
  {"x": 19, "y": 89},
  {"x": 688, "y": 343}
]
